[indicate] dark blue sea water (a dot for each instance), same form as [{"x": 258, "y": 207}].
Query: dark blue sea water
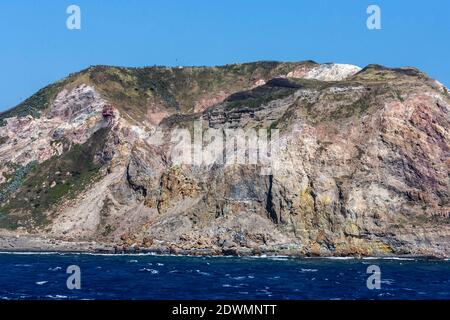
[{"x": 43, "y": 276}]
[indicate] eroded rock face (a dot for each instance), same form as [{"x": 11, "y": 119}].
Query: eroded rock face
[
  {"x": 72, "y": 118},
  {"x": 363, "y": 162}
]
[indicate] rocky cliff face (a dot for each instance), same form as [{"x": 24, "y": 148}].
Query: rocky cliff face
[{"x": 362, "y": 160}]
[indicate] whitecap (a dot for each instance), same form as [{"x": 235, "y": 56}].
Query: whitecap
[
  {"x": 308, "y": 270},
  {"x": 389, "y": 258},
  {"x": 271, "y": 257},
  {"x": 384, "y": 294},
  {"x": 29, "y": 252},
  {"x": 264, "y": 291},
  {"x": 387, "y": 281},
  {"x": 54, "y": 269},
  {"x": 56, "y": 296},
  {"x": 152, "y": 271},
  {"x": 226, "y": 285},
  {"x": 203, "y": 273},
  {"x": 239, "y": 285},
  {"x": 40, "y": 283},
  {"x": 278, "y": 258}
]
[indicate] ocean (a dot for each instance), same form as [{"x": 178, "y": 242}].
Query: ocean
[{"x": 142, "y": 277}]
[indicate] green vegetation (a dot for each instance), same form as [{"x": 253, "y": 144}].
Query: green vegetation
[
  {"x": 374, "y": 72},
  {"x": 35, "y": 104},
  {"x": 108, "y": 230},
  {"x": 356, "y": 108},
  {"x": 397, "y": 94},
  {"x": 133, "y": 90},
  {"x": 46, "y": 184},
  {"x": 274, "y": 89},
  {"x": 333, "y": 106},
  {"x": 3, "y": 140},
  {"x": 14, "y": 181},
  {"x": 285, "y": 120},
  {"x": 178, "y": 89},
  {"x": 257, "y": 101}
]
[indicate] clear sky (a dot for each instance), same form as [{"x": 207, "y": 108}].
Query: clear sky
[{"x": 36, "y": 48}]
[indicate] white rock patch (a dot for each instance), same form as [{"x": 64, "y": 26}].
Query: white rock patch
[{"x": 332, "y": 72}]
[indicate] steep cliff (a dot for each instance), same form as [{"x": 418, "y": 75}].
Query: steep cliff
[{"x": 362, "y": 160}]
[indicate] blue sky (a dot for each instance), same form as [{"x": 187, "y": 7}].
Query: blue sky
[{"x": 36, "y": 48}]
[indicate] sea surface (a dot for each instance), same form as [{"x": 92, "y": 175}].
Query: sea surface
[{"x": 44, "y": 276}]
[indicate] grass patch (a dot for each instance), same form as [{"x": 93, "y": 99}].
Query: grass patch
[
  {"x": 35, "y": 104},
  {"x": 274, "y": 89},
  {"x": 178, "y": 89},
  {"x": 14, "y": 181},
  {"x": 48, "y": 183}
]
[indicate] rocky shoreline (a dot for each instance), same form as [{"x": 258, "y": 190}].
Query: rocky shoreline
[{"x": 35, "y": 244}]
